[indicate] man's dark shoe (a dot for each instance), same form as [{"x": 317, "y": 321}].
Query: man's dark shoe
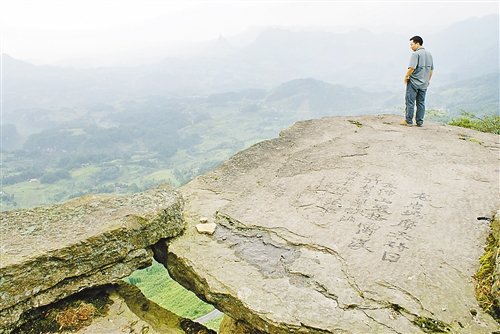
[{"x": 405, "y": 123}]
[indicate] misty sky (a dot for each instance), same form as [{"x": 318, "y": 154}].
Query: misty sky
[{"x": 47, "y": 31}]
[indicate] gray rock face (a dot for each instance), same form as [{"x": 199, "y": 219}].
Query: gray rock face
[
  {"x": 345, "y": 225},
  {"x": 49, "y": 253}
]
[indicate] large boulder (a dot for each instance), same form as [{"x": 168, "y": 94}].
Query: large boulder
[
  {"x": 50, "y": 253},
  {"x": 345, "y": 225}
]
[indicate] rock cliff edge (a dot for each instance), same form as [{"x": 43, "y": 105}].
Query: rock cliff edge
[
  {"x": 340, "y": 225},
  {"x": 50, "y": 253},
  {"x": 345, "y": 225}
]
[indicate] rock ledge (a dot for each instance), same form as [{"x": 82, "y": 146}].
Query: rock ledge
[
  {"x": 49, "y": 253},
  {"x": 345, "y": 225}
]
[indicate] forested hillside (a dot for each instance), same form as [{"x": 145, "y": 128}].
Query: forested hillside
[
  {"x": 124, "y": 129},
  {"x": 132, "y": 145}
]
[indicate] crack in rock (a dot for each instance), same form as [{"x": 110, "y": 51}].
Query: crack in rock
[{"x": 255, "y": 246}]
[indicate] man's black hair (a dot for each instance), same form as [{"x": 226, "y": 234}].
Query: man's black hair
[{"x": 417, "y": 39}]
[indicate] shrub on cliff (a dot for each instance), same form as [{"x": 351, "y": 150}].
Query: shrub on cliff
[{"x": 490, "y": 123}]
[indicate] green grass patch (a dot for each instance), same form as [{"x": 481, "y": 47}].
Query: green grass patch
[
  {"x": 160, "y": 175},
  {"x": 487, "y": 296},
  {"x": 156, "y": 284}
]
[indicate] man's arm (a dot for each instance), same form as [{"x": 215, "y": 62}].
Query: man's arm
[
  {"x": 408, "y": 73},
  {"x": 430, "y": 76}
]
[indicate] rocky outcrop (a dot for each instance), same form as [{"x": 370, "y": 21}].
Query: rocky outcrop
[
  {"x": 114, "y": 308},
  {"x": 340, "y": 225},
  {"x": 50, "y": 253},
  {"x": 345, "y": 225}
]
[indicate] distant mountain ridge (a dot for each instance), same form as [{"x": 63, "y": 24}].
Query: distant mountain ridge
[
  {"x": 467, "y": 49},
  {"x": 373, "y": 62},
  {"x": 478, "y": 95},
  {"x": 221, "y": 48},
  {"x": 320, "y": 97}
]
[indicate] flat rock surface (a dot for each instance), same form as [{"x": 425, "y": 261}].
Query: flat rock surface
[
  {"x": 48, "y": 253},
  {"x": 345, "y": 224}
]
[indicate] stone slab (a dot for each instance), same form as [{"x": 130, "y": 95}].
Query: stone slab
[
  {"x": 345, "y": 225},
  {"x": 48, "y": 253}
]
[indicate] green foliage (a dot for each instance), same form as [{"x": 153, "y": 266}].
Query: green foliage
[
  {"x": 485, "y": 279},
  {"x": 9, "y": 137},
  {"x": 165, "y": 149},
  {"x": 156, "y": 284},
  {"x": 54, "y": 176},
  {"x": 7, "y": 199},
  {"x": 489, "y": 123},
  {"x": 71, "y": 161},
  {"x": 430, "y": 325},
  {"x": 320, "y": 97},
  {"x": 54, "y": 140},
  {"x": 436, "y": 115},
  {"x": 107, "y": 174},
  {"x": 190, "y": 140},
  {"x": 24, "y": 176},
  {"x": 250, "y": 108},
  {"x": 475, "y": 95}
]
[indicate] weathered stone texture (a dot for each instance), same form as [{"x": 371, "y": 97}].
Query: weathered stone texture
[
  {"x": 345, "y": 225},
  {"x": 49, "y": 253}
]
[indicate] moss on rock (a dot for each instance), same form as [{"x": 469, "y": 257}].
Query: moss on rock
[{"x": 487, "y": 285}]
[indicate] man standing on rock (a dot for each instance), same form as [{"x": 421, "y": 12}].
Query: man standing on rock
[{"x": 417, "y": 79}]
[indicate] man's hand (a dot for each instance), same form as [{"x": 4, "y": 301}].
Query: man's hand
[{"x": 407, "y": 75}]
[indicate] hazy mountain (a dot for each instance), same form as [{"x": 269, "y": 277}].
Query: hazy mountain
[
  {"x": 221, "y": 48},
  {"x": 31, "y": 86},
  {"x": 322, "y": 98},
  {"x": 11, "y": 139},
  {"x": 478, "y": 95},
  {"x": 376, "y": 61},
  {"x": 467, "y": 49},
  {"x": 314, "y": 53},
  {"x": 373, "y": 62}
]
